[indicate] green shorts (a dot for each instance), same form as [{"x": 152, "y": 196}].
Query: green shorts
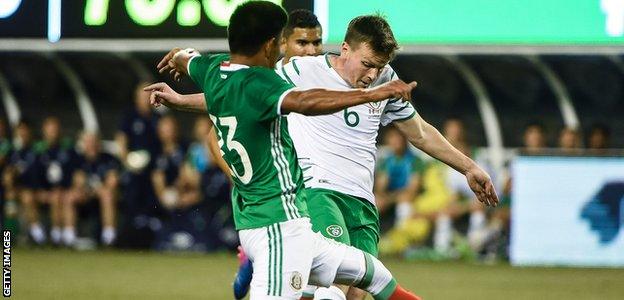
[{"x": 347, "y": 219}]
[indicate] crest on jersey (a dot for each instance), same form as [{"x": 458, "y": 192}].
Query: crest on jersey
[
  {"x": 374, "y": 108},
  {"x": 295, "y": 280},
  {"x": 334, "y": 230}
]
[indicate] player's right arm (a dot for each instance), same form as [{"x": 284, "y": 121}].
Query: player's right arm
[{"x": 322, "y": 101}]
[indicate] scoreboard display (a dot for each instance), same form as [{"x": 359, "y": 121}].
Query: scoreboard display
[{"x": 56, "y": 19}]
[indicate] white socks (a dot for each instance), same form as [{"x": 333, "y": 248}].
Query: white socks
[
  {"x": 69, "y": 236},
  {"x": 403, "y": 211},
  {"x": 37, "y": 233},
  {"x": 476, "y": 229},
  {"x": 443, "y": 234},
  {"x": 108, "y": 236},
  {"x": 56, "y": 235}
]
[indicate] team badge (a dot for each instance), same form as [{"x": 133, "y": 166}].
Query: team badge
[
  {"x": 295, "y": 280},
  {"x": 334, "y": 230}
]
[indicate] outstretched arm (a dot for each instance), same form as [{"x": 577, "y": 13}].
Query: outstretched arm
[
  {"x": 428, "y": 139},
  {"x": 162, "y": 94},
  {"x": 321, "y": 101}
]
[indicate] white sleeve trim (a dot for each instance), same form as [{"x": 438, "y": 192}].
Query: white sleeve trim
[
  {"x": 281, "y": 99},
  {"x": 188, "y": 64}
]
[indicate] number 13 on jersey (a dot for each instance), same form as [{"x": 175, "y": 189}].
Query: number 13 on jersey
[{"x": 232, "y": 145}]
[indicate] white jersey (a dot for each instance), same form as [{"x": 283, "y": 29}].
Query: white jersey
[{"x": 337, "y": 151}]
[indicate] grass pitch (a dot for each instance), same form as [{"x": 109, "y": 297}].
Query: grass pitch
[{"x": 61, "y": 274}]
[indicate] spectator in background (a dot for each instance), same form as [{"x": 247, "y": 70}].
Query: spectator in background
[
  {"x": 534, "y": 139},
  {"x": 445, "y": 199},
  {"x": 20, "y": 179},
  {"x": 397, "y": 179},
  {"x": 57, "y": 163},
  {"x": 598, "y": 138},
  {"x": 138, "y": 146},
  {"x": 96, "y": 181},
  {"x": 204, "y": 157},
  {"x": 569, "y": 140},
  {"x": 177, "y": 187},
  {"x": 462, "y": 201}
]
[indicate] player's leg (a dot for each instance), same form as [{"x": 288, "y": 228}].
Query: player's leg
[
  {"x": 341, "y": 264},
  {"x": 327, "y": 219},
  {"x": 29, "y": 204},
  {"x": 54, "y": 201},
  {"x": 362, "y": 222},
  {"x": 281, "y": 258},
  {"x": 70, "y": 201},
  {"x": 107, "y": 201},
  {"x": 242, "y": 280}
]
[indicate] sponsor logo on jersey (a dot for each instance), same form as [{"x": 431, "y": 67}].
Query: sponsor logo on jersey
[
  {"x": 334, "y": 230},
  {"x": 295, "y": 281}
]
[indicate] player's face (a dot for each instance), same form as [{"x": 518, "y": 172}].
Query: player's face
[
  {"x": 533, "y": 138},
  {"x": 23, "y": 134},
  {"x": 167, "y": 130},
  {"x": 141, "y": 99},
  {"x": 396, "y": 141},
  {"x": 454, "y": 131},
  {"x": 51, "y": 130},
  {"x": 362, "y": 65},
  {"x": 91, "y": 144},
  {"x": 302, "y": 42}
]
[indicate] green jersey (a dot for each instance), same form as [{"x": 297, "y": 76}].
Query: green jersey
[{"x": 244, "y": 105}]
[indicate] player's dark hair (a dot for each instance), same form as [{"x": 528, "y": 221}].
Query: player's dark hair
[
  {"x": 254, "y": 23},
  {"x": 300, "y": 18},
  {"x": 373, "y": 30}
]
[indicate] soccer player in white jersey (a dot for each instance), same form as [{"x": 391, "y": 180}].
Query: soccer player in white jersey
[
  {"x": 247, "y": 103},
  {"x": 337, "y": 151}
]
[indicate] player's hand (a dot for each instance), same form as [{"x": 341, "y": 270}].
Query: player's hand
[
  {"x": 394, "y": 89},
  {"x": 172, "y": 62},
  {"x": 481, "y": 184},
  {"x": 162, "y": 94}
]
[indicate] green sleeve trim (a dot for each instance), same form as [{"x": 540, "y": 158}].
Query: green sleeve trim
[
  {"x": 406, "y": 118},
  {"x": 368, "y": 274},
  {"x": 295, "y": 66},
  {"x": 393, "y": 74},
  {"x": 286, "y": 75},
  {"x": 387, "y": 291},
  {"x": 398, "y": 110},
  {"x": 393, "y": 100}
]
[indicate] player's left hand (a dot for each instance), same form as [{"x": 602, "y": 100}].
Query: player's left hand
[
  {"x": 171, "y": 62},
  {"x": 481, "y": 184}
]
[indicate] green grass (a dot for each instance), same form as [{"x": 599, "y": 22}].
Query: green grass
[{"x": 60, "y": 274}]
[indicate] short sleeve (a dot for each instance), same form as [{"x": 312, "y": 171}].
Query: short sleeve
[
  {"x": 198, "y": 67},
  {"x": 266, "y": 90},
  {"x": 397, "y": 109}
]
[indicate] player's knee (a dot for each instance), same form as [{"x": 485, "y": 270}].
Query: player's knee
[
  {"x": 356, "y": 294},
  {"x": 363, "y": 271}
]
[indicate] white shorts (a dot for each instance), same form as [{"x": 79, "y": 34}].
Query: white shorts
[{"x": 287, "y": 256}]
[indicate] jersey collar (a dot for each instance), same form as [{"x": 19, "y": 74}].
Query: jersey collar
[{"x": 230, "y": 67}]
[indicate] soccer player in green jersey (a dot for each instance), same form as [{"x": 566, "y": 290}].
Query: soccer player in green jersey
[{"x": 247, "y": 101}]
